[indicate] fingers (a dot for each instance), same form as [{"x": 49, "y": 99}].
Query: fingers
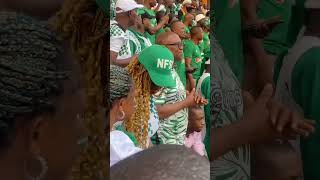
[
  {"x": 307, "y": 126},
  {"x": 265, "y": 95},
  {"x": 248, "y": 99},
  {"x": 275, "y": 110},
  {"x": 284, "y": 119}
]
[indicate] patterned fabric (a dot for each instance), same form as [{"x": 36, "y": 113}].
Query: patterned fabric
[
  {"x": 154, "y": 118},
  {"x": 135, "y": 44},
  {"x": 117, "y": 37},
  {"x": 115, "y": 30},
  {"x": 227, "y": 108},
  {"x": 174, "y": 128},
  {"x": 113, "y": 9}
]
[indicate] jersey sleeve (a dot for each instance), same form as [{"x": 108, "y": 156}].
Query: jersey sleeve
[
  {"x": 116, "y": 43},
  {"x": 306, "y": 92}
]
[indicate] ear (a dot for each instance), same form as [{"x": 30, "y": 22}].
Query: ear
[
  {"x": 37, "y": 133},
  {"x": 121, "y": 104}
]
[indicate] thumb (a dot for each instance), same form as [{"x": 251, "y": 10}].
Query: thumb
[
  {"x": 265, "y": 94},
  {"x": 193, "y": 91},
  {"x": 248, "y": 99}
]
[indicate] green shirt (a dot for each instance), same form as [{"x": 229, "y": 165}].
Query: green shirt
[
  {"x": 181, "y": 70},
  {"x": 306, "y": 92},
  {"x": 192, "y": 51},
  {"x": 276, "y": 42},
  {"x": 153, "y": 21},
  {"x": 227, "y": 108},
  {"x": 229, "y": 34}
]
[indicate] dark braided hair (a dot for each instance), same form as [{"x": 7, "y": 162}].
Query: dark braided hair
[{"x": 29, "y": 75}]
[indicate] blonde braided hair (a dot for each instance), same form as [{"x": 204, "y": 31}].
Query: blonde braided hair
[
  {"x": 85, "y": 26},
  {"x": 138, "y": 124}
]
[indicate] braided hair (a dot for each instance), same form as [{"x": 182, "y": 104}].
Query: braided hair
[
  {"x": 120, "y": 83},
  {"x": 30, "y": 77},
  {"x": 138, "y": 124},
  {"x": 85, "y": 25}
]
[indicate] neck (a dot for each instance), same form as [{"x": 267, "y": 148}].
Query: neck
[
  {"x": 121, "y": 23},
  {"x": 195, "y": 41}
]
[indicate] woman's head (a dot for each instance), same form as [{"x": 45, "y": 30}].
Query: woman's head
[
  {"x": 41, "y": 97},
  {"x": 121, "y": 94}
]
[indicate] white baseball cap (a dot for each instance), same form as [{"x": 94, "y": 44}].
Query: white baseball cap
[
  {"x": 199, "y": 17},
  {"x": 127, "y": 5},
  {"x": 186, "y": 2},
  {"x": 312, "y": 4}
]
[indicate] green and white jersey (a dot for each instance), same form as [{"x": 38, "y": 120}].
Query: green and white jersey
[
  {"x": 118, "y": 37},
  {"x": 226, "y": 108},
  {"x": 173, "y": 129},
  {"x": 135, "y": 44},
  {"x": 298, "y": 87},
  {"x": 113, "y": 9}
]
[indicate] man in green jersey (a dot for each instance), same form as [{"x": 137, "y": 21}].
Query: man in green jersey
[
  {"x": 298, "y": 86},
  {"x": 192, "y": 52}
]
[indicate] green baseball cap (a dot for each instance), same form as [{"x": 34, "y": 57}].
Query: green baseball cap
[{"x": 158, "y": 61}]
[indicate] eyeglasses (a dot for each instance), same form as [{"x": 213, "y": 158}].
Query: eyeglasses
[{"x": 179, "y": 45}]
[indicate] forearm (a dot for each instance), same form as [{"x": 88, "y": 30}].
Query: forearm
[
  {"x": 122, "y": 62},
  {"x": 229, "y": 137},
  {"x": 188, "y": 62},
  {"x": 165, "y": 111}
]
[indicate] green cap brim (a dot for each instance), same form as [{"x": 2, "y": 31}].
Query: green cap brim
[{"x": 166, "y": 81}]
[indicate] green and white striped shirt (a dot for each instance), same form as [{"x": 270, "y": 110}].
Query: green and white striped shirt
[{"x": 174, "y": 128}]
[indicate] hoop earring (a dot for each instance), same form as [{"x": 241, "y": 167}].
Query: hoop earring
[
  {"x": 43, "y": 172},
  {"x": 122, "y": 115}
]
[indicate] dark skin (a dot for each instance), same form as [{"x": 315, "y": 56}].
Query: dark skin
[
  {"x": 173, "y": 43},
  {"x": 188, "y": 20},
  {"x": 263, "y": 120},
  {"x": 38, "y": 136},
  {"x": 196, "y": 120},
  {"x": 178, "y": 28},
  {"x": 196, "y": 37}
]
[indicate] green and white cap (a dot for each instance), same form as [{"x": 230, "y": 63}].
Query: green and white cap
[
  {"x": 312, "y": 4},
  {"x": 158, "y": 61}
]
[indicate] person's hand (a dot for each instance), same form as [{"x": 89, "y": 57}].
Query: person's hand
[
  {"x": 289, "y": 123},
  {"x": 257, "y": 116},
  {"x": 190, "y": 70},
  {"x": 200, "y": 100}
]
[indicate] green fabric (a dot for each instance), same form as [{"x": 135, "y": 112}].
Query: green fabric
[
  {"x": 153, "y": 21},
  {"x": 173, "y": 129},
  {"x": 105, "y": 4},
  {"x": 187, "y": 29},
  {"x": 192, "y": 51},
  {"x": 305, "y": 90},
  {"x": 296, "y": 21},
  {"x": 276, "y": 42},
  {"x": 130, "y": 135},
  {"x": 228, "y": 33},
  {"x": 137, "y": 47},
  {"x": 205, "y": 91},
  {"x": 181, "y": 70},
  {"x": 158, "y": 61}
]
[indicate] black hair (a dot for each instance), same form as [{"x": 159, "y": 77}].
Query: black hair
[{"x": 30, "y": 75}]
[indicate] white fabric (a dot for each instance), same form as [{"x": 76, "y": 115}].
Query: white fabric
[
  {"x": 312, "y": 4},
  {"x": 199, "y": 17},
  {"x": 116, "y": 44},
  {"x": 208, "y": 61},
  {"x": 161, "y": 8},
  {"x": 121, "y": 147},
  {"x": 127, "y": 5},
  {"x": 186, "y": 2}
]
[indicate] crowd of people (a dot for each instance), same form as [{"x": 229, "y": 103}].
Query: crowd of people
[{"x": 159, "y": 76}]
